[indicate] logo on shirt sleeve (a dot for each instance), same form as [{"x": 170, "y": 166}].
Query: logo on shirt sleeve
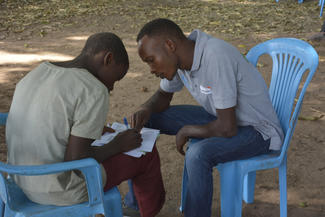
[{"x": 205, "y": 90}]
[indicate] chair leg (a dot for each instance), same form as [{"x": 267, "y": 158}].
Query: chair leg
[
  {"x": 130, "y": 200},
  {"x": 184, "y": 189},
  {"x": 113, "y": 203},
  {"x": 2, "y": 208},
  {"x": 321, "y": 8},
  {"x": 283, "y": 187},
  {"x": 231, "y": 190},
  {"x": 249, "y": 187}
]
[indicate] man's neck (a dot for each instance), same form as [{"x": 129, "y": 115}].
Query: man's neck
[
  {"x": 78, "y": 62},
  {"x": 186, "y": 54}
]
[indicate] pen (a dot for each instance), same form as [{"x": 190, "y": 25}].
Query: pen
[{"x": 126, "y": 123}]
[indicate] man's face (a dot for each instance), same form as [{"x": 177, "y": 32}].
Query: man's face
[
  {"x": 160, "y": 58},
  {"x": 112, "y": 73}
]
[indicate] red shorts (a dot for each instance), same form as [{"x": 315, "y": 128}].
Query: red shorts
[{"x": 146, "y": 177}]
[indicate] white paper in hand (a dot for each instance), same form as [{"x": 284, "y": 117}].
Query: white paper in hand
[{"x": 148, "y": 135}]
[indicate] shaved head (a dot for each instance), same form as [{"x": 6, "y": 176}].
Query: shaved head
[
  {"x": 109, "y": 42},
  {"x": 161, "y": 27}
]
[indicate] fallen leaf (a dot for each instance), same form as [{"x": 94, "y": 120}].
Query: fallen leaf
[
  {"x": 144, "y": 89},
  {"x": 310, "y": 118},
  {"x": 303, "y": 204}
]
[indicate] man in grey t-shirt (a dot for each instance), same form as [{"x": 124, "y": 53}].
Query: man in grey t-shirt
[{"x": 235, "y": 119}]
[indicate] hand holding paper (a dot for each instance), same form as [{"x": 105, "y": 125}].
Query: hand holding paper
[{"x": 148, "y": 135}]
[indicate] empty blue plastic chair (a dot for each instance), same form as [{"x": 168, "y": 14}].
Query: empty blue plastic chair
[
  {"x": 292, "y": 58},
  {"x": 14, "y": 203},
  {"x": 299, "y": 1},
  {"x": 321, "y": 4}
]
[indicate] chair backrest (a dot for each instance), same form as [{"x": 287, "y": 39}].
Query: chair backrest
[
  {"x": 3, "y": 184},
  {"x": 292, "y": 58},
  {"x": 3, "y": 118}
]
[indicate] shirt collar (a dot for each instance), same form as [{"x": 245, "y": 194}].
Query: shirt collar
[{"x": 200, "y": 38}]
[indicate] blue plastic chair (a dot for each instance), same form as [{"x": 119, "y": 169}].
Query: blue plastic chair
[
  {"x": 299, "y": 1},
  {"x": 14, "y": 203},
  {"x": 292, "y": 58},
  {"x": 321, "y": 4}
]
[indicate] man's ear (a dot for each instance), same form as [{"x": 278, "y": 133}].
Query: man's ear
[
  {"x": 170, "y": 45},
  {"x": 108, "y": 58}
]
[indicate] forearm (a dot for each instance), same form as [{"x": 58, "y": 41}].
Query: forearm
[
  {"x": 101, "y": 153},
  {"x": 224, "y": 126},
  {"x": 79, "y": 148},
  {"x": 212, "y": 129},
  {"x": 159, "y": 102}
]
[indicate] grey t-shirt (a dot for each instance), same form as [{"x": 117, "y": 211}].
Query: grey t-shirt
[
  {"x": 221, "y": 78},
  {"x": 49, "y": 104}
]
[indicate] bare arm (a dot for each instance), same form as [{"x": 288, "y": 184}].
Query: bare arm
[
  {"x": 79, "y": 147},
  {"x": 224, "y": 126},
  {"x": 158, "y": 102}
]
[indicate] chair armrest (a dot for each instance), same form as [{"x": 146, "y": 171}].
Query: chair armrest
[{"x": 89, "y": 167}]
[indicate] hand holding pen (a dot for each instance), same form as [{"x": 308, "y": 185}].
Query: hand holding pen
[
  {"x": 128, "y": 139},
  {"x": 128, "y": 127}
]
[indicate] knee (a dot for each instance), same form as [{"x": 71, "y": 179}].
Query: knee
[
  {"x": 153, "y": 120},
  {"x": 191, "y": 157},
  {"x": 149, "y": 123},
  {"x": 152, "y": 161},
  {"x": 195, "y": 157},
  {"x": 155, "y": 155}
]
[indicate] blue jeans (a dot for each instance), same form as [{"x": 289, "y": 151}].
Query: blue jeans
[{"x": 204, "y": 154}]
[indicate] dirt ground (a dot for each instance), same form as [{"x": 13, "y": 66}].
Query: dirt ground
[{"x": 22, "y": 51}]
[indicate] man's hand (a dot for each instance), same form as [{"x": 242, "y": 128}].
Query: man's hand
[
  {"x": 79, "y": 147},
  {"x": 107, "y": 130},
  {"x": 128, "y": 140},
  {"x": 158, "y": 102},
  {"x": 224, "y": 126},
  {"x": 181, "y": 139},
  {"x": 140, "y": 118}
]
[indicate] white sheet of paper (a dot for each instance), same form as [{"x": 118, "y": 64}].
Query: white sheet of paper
[{"x": 148, "y": 135}]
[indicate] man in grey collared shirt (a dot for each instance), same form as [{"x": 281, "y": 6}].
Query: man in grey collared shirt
[{"x": 236, "y": 119}]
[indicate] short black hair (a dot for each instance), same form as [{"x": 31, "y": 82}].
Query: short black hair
[
  {"x": 106, "y": 41},
  {"x": 161, "y": 26}
]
